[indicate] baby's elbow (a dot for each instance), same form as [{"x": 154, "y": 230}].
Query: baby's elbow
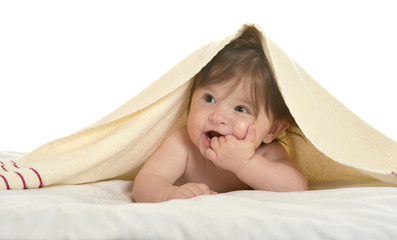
[
  {"x": 299, "y": 184},
  {"x": 139, "y": 189},
  {"x": 303, "y": 185},
  {"x": 293, "y": 181}
]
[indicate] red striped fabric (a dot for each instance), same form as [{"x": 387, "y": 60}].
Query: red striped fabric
[{"x": 8, "y": 167}]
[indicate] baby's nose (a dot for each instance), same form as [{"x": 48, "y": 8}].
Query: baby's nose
[{"x": 220, "y": 116}]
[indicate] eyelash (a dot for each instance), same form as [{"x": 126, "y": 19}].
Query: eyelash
[
  {"x": 242, "y": 109},
  {"x": 210, "y": 99}
]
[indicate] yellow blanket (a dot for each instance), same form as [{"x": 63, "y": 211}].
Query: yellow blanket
[{"x": 337, "y": 145}]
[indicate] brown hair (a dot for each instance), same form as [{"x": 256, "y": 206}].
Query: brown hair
[{"x": 243, "y": 59}]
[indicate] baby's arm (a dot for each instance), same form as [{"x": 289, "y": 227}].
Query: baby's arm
[
  {"x": 154, "y": 182},
  {"x": 273, "y": 171}
]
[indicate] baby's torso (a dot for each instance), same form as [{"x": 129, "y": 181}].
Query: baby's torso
[{"x": 201, "y": 170}]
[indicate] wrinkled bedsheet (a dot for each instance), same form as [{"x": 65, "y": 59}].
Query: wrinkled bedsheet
[{"x": 105, "y": 210}]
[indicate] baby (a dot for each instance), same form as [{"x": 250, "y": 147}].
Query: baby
[{"x": 236, "y": 113}]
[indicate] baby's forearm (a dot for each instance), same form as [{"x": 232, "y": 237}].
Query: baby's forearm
[
  {"x": 263, "y": 174},
  {"x": 151, "y": 188}
]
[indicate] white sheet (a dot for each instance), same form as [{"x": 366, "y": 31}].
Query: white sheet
[{"x": 105, "y": 210}]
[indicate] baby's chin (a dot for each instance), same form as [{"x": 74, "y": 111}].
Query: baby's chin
[{"x": 203, "y": 151}]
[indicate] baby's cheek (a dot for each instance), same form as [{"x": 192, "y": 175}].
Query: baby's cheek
[{"x": 240, "y": 129}]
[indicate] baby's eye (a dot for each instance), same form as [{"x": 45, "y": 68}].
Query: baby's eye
[
  {"x": 241, "y": 109},
  {"x": 209, "y": 99}
]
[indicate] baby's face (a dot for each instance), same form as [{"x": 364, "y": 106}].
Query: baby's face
[{"x": 216, "y": 111}]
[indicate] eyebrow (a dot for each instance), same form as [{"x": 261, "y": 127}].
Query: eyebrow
[{"x": 246, "y": 100}]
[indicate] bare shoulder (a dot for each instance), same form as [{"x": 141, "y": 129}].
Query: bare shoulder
[
  {"x": 169, "y": 159},
  {"x": 179, "y": 137},
  {"x": 274, "y": 152},
  {"x": 174, "y": 144}
]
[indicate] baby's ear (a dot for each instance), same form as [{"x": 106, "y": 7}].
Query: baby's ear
[{"x": 278, "y": 127}]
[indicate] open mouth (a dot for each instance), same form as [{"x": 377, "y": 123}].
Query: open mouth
[{"x": 212, "y": 134}]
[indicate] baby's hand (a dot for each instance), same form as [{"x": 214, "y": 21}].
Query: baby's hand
[
  {"x": 229, "y": 153},
  {"x": 189, "y": 190}
]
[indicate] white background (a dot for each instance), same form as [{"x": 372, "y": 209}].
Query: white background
[{"x": 65, "y": 64}]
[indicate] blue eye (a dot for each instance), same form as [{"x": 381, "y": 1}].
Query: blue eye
[
  {"x": 241, "y": 109},
  {"x": 209, "y": 99}
]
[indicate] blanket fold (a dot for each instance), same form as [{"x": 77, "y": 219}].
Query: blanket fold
[{"x": 336, "y": 144}]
